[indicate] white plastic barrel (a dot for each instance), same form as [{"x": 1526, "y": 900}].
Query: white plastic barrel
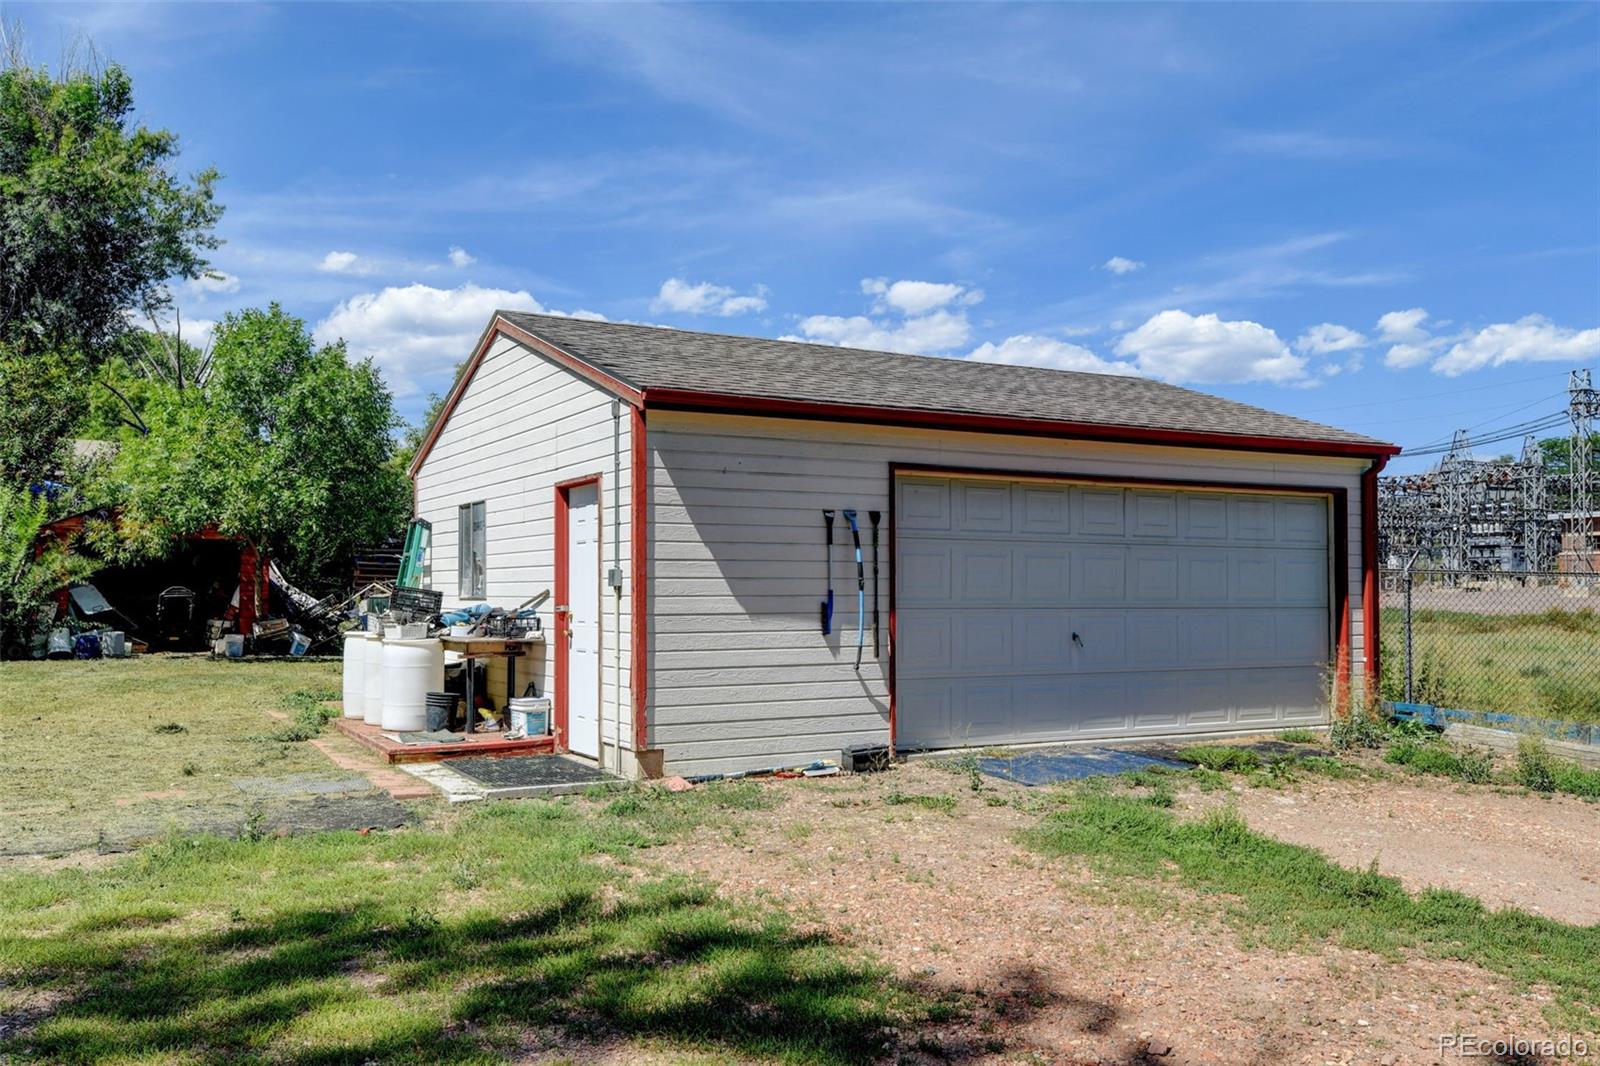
[
  {"x": 372, "y": 681},
  {"x": 355, "y": 672},
  {"x": 411, "y": 670}
]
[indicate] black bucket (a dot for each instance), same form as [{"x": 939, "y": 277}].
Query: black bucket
[{"x": 441, "y": 705}]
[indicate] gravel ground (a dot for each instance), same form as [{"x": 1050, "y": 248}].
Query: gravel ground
[
  {"x": 1058, "y": 966},
  {"x": 1538, "y": 853}
]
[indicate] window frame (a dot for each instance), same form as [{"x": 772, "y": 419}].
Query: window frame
[{"x": 472, "y": 545}]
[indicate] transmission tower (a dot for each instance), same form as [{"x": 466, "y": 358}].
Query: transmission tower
[{"x": 1583, "y": 407}]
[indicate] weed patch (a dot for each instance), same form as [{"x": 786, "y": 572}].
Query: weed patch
[
  {"x": 1221, "y": 757},
  {"x": 1431, "y": 757},
  {"x": 941, "y": 803},
  {"x": 1288, "y": 895}
]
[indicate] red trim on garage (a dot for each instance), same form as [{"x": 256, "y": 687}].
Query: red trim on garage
[
  {"x": 1372, "y": 645},
  {"x": 639, "y": 531},
  {"x": 763, "y": 405},
  {"x": 563, "y": 591},
  {"x": 1339, "y": 607}
]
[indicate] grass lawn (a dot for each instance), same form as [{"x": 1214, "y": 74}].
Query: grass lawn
[
  {"x": 118, "y": 749},
  {"x": 487, "y": 933},
  {"x": 1543, "y": 665},
  {"x": 1287, "y": 896}
]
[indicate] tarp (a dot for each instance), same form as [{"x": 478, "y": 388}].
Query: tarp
[{"x": 88, "y": 600}]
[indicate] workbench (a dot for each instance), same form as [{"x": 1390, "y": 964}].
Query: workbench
[{"x": 508, "y": 648}]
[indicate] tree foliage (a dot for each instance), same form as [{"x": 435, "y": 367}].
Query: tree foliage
[
  {"x": 286, "y": 445},
  {"x": 93, "y": 220},
  {"x": 29, "y": 578}
]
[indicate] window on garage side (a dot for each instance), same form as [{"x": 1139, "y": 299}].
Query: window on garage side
[{"x": 471, "y": 553}]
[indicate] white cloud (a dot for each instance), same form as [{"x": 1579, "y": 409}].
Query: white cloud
[
  {"x": 705, "y": 298},
  {"x": 215, "y": 281},
  {"x": 1404, "y": 356},
  {"x": 1403, "y": 327},
  {"x": 918, "y": 297},
  {"x": 941, "y": 331},
  {"x": 418, "y": 332},
  {"x": 1327, "y": 339},
  {"x": 341, "y": 263},
  {"x": 1179, "y": 347},
  {"x": 1532, "y": 338},
  {"x": 460, "y": 257},
  {"x": 1121, "y": 265},
  {"x": 1026, "y": 350}
]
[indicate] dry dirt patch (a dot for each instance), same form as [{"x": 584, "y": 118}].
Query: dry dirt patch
[
  {"x": 1538, "y": 853},
  {"x": 1060, "y": 966}
]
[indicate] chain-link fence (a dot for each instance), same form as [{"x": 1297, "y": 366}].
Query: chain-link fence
[{"x": 1524, "y": 644}]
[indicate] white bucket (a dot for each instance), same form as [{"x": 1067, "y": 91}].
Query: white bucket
[
  {"x": 355, "y": 672},
  {"x": 372, "y": 681},
  {"x": 411, "y": 670}
]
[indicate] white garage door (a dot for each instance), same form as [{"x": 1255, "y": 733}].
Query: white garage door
[{"x": 1040, "y": 611}]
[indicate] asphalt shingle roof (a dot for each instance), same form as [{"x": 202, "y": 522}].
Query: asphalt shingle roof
[{"x": 652, "y": 357}]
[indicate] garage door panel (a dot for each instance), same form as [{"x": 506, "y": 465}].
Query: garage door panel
[
  {"x": 1042, "y": 509},
  {"x": 1302, "y": 578},
  {"x": 1097, "y": 512},
  {"x": 1252, "y": 637},
  {"x": 1203, "y": 576},
  {"x": 1302, "y": 636},
  {"x": 1202, "y": 517},
  {"x": 1102, "y": 639},
  {"x": 1251, "y": 518},
  {"x": 924, "y": 505},
  {"x": 1043, "y": 573},
  {"x": 924, "y": 713},
  {"x": 1203, "y": 639},
  {"x": 985, "y": 711},
  {"x": 985, "y": 574},
  {"x": 1099, "y": 704},
  {"x": 1152, "y": 514},
  {"x": 1303, "y": 522},
  {"x": 924, "y": 569},
  {"x": 923, "y": 641},
  {"x": 1193, "y": 611},
  {"x": 1044, "y": 641},
  {"x": 1099, "y": 574},
  {"x": 983, "y": 640},
  {"x": 1153, "y": 575},
  {"x": 1153, "y": 639},
  {"x": 1041, "y": 709},
  {"x": 983, "y": 507},
  {"x": 1252, "y": 577}
]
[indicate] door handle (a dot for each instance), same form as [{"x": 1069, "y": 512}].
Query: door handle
[{"x": 1077, "y": 640}]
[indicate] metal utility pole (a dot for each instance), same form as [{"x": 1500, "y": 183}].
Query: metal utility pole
[{"x": 1583, "y": 407}]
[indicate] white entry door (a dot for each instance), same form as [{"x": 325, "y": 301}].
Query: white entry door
[
  {"x": 583, "y": 620},
  {"x": 1034, "y": 611}
]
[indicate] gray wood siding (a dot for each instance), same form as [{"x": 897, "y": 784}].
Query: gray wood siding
[
  {"x": 741, "y": 677},
  {"x": 523, "y": 425}
]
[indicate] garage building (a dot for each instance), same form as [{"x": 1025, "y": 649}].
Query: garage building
[{"x": 1063, "y": 556}]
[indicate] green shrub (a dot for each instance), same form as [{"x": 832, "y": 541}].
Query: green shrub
[
  {"x": 1535, "y": 768},
  {"x": 1464, "y": 764},
  {"x": 1221, "y": 757},
  {"x": 1362, "y": 727}
]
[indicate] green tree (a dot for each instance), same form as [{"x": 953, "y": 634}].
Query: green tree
[
  {"x": 31, "y": 570},
  {"x": 94, "y": 222},
  {"x": 94, "y": 219},
  {"x": 286, "y": 445}
]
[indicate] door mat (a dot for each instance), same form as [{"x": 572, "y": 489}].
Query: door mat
[
  {"x": 528, "y": 771},
  {"x": 1052, "y": 766}
]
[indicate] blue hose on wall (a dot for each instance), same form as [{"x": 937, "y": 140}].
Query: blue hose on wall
[{"x": 861, "y": 588}]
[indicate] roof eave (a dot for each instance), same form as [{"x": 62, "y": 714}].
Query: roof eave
[{"x": 688, "y": 399}]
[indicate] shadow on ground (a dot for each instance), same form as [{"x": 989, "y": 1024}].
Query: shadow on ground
[{"x": 579, "y": 976}]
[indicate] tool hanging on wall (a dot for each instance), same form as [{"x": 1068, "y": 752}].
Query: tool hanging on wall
[
  {"x": 874, "y": 516},
  {"x": 827, "y": 563},
  {"x": 861, "y": 588}
]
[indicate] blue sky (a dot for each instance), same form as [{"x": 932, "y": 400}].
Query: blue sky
[{"x": 1382, "y": 216}]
